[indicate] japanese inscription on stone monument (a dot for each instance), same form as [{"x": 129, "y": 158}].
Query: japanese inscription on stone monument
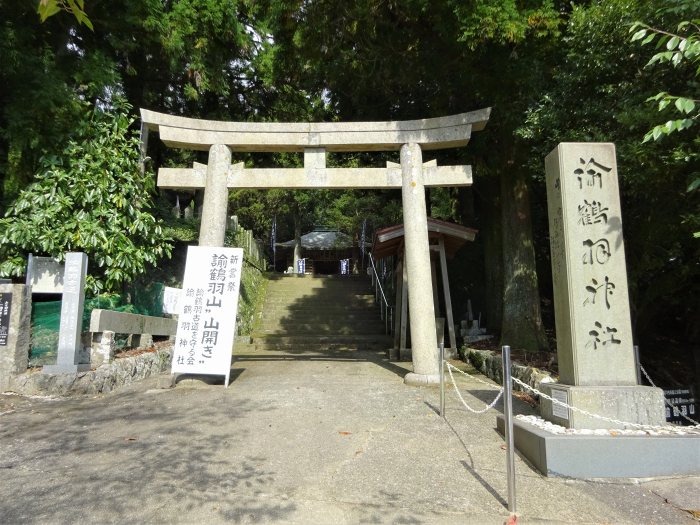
[
  {"x": 69, "y": 344},
  {"x": 208, "y": 308},
  {"x": 588, "y": 266},
  {"x": 5, "y": 310}
]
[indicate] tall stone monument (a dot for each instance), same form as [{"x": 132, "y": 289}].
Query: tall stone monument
[
  {"x": 597, "y": 365},
  {"x": 70, "y": 330}
]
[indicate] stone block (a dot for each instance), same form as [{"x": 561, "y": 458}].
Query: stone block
[
  {"x": 405, "y": 354},
  {"x": 634, "y": 404},
  {"x": 15, "y": 331},
  {"x": 124, "y": 323},
  {"x": 140, "y": 341},
  {"x": 103, "y": 348}
]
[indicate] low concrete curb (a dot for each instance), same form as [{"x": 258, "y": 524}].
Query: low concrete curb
[{"x": 101, "y": 380}]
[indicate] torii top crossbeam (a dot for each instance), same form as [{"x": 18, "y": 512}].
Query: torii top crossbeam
[{"x": 432, "y": 133}]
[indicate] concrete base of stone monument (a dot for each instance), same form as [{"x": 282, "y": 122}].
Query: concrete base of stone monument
[
  {"x": 634, "y": 404},
  {"x": 593, "y": 456},
  {"x": 414, "y": 379}
]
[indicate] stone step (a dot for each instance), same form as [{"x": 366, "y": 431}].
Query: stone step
[
  {"x": 320, "y": 319},
  {"x": 317, "y": 329},
  {"x": 325, "y": 290},
  {"x": 321, "y": 306},
  {"x": 242, "y": 348},
  {"x": 272, "y": 316},
  {"x": 316, "y": 297},
  {"x": 303, "y": 314},
  {"x": 316, "y": 314},
  {"x": 323, "y": 286},
  {"x": 360, "y": 339},
  {"x": 306, "y": 277}
]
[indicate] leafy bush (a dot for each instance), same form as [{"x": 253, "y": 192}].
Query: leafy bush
[{"x": 94, "y": 198}]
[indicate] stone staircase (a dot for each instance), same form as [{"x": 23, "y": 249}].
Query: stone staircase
[{"x": 316, "y": 314}]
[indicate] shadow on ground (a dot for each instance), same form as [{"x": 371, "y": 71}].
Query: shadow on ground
[{"x": 131, "y": 458}]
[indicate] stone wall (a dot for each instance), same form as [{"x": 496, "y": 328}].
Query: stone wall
[
  {"x": 101, "y": 380},
  {"x": 15, "y": 323},
  {"x": 491, "y": 365}
]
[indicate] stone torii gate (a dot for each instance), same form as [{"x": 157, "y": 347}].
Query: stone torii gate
[{"x": 411, "y": 137}]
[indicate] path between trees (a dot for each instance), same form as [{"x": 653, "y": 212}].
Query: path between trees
[{"x": 297, "y": 438}]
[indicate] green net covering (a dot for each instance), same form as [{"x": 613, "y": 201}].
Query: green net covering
[{"x": 46, "y": 317}]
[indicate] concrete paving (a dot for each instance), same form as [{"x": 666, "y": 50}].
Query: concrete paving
[{"x": 304, "y": 438}]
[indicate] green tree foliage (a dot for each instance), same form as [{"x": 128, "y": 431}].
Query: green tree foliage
[
  {"x": 681, "y": 50},
  {"x": 375, "y": 60},
  {"x": 92, "y": 198},
  {"x": 599, "y": 94},
  {"x": 551, "y": 70},
  {"x": 48, "y": 8}
]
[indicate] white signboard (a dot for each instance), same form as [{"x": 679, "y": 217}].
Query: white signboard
[
  {"x": 171, "y": 300},
  {"x": 44, "y": 274},
  {"x": 558, "y": 410},
  {"x": 208, "y": 307}
]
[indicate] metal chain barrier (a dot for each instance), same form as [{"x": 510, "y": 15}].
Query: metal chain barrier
[
  {"x": 591, "y": 414},
  {"x": 673, "y": 407},
  {"x": 466, "y": 374},
  {"x": 470, "y": 409}
]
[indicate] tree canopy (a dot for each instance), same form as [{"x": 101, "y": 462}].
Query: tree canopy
[
  {"x": 624, "y": 71},
  {"x": 93, "y": 198}
]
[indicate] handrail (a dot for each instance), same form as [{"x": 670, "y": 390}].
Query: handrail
[{"x": 384, "y": 305}]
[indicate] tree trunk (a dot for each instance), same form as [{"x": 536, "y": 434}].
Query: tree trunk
[
  {"x": 488, "y": 192},
  {"x": 297, "y": 239},
  {"x": 521, "y": 326}
]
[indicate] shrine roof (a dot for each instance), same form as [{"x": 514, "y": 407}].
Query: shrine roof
[
  {"x": 389, "y": 241},
  {"x": 322, "y": 239}
]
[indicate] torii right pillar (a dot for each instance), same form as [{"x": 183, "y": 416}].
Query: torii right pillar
[
  {"x": 421, "y": 311},
  {"x": 594, "y": 335}
]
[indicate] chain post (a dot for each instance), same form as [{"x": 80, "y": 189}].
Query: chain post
[
  {"x": 508, "y": 420},
  {"x": 638, "y": 364}
]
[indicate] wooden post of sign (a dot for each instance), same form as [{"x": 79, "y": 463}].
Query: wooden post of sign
[{"x": 446, "y": 291}]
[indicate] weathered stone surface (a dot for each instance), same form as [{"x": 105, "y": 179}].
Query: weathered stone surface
[
  {"x": 594, "y": 333},
  {"x": 125, "y": 323},
  {"x": 634, "y": 404},
  {"x": 70, "y": 345},
  {"x": 101, "y": 380},
  {"x": 214, "y": 211},
  {"x": 14, "y": 355},
  {"x": 435, "y": 133},
  {"x": 102, "y": 348},
  {"x": 591, "y": 304},
  {"x": 491, "y": 365},
  {"x": 421, "y": 311},
  {"x": 313, "y": 178}
]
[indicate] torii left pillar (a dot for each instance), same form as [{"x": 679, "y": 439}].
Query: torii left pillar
[
  {"x": 214, "y": 210},
  {"x": 421, "y": 311}
]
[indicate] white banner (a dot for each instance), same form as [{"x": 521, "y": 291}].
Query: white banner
[{"x": 208, "y": 308}]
